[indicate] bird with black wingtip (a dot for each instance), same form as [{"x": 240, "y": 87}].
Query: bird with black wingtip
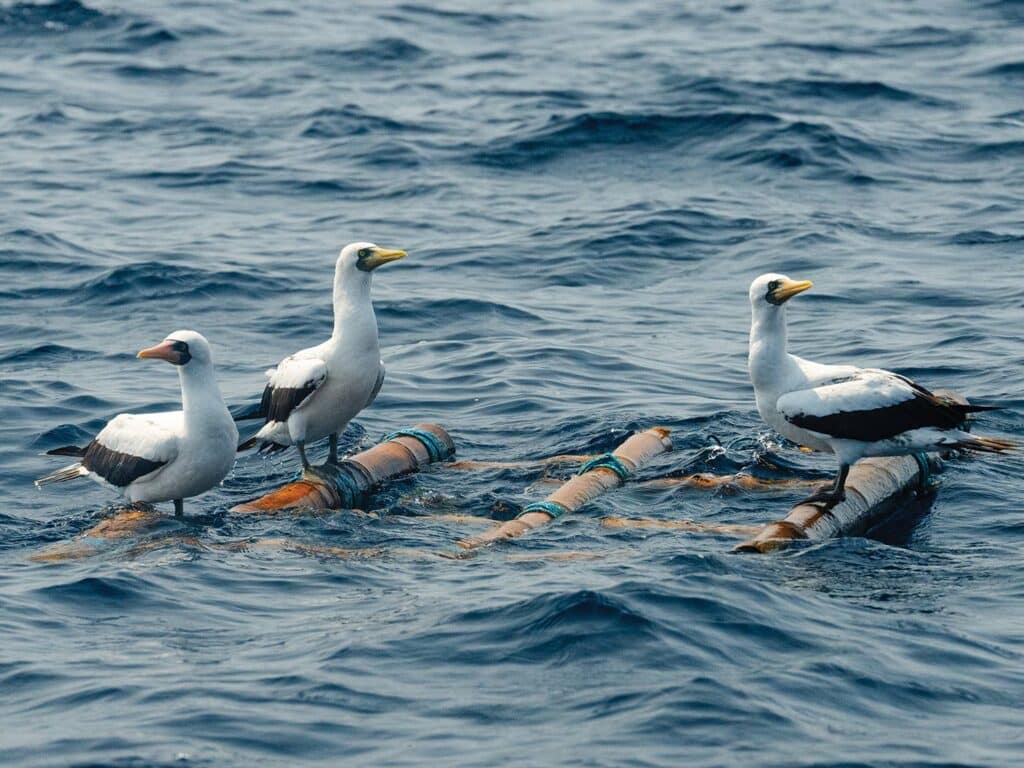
[
  {"x": 841, "y": 409},
  {"x": 165, "y": 456},
  {"x": 316, "y": 392}
]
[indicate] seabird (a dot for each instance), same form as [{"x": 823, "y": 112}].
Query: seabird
[
  {"x": 849, "y": 411},
  {"x": 317, "y": 391},
  {"x": 164, "y": 456}
]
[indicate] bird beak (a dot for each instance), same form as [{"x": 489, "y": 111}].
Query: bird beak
[
  {"x": 163, "y": 351},
  {"x": 379, "y": 257},
  {"x": 789, "y": 289}
]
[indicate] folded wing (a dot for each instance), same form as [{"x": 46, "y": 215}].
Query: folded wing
[
  {"x": 291, "y": 385},
  {"x": 133, "y": 446},
  {"x": 871, "y": 405}
]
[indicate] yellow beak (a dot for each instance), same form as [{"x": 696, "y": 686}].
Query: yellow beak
[
  {"x": 789, "y": 289},
  {"x": 381, "y": 256}
]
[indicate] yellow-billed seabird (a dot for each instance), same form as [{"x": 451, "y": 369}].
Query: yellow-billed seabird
[
  {"x": 851, "y": 412},
  {"x": 164, "y": 456},
  {"x": 317, "y": 391}
]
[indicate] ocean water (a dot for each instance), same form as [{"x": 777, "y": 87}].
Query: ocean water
[{"x": 585, "y": 190}]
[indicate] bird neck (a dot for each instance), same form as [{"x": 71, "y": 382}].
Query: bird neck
[
  {"x": 200, "y": 395},
  {"x": 767, "y": 354},
  {"x": 353, "y": 309}
]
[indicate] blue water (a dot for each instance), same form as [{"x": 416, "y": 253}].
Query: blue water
[{"x": 585, "y": 191}]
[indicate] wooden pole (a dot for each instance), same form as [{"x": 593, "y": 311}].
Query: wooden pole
[
  {"x": 347, "y": 483},
  {"x": 583, "y": 488}
]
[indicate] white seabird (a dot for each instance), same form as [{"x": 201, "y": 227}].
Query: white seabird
[
  {"x": 849, "y": 411},
  {"x": 164, "y": 456},
  {"x": 317, "y": 391}
]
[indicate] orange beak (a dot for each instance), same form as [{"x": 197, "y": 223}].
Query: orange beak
[{"x": 163, "y": 351}]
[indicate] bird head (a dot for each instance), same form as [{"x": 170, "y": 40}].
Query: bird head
[
  {"x": 365, "y": 257},
  {"x": 771, "y": 291},
  {"x": 180, "y": 348}
]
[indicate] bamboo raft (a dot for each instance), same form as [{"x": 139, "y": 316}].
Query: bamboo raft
[{"x": 875, "y": 488}]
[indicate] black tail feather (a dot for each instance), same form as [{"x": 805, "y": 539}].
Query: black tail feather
[
  {"x": 247, "y": 444},
  {"x": 67, "y": 450},
  {"x": 980, "y": 408},
  {"x": 265, "y": 447}
]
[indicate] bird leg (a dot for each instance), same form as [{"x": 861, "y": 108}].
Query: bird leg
[
  {"x": 332, "y": 456},
  {"x": 830, "y": 495},
  {"x": 301, "y": 445},
  {"x": 179, "y": 507},
  {"x": 309, "y": 471}
]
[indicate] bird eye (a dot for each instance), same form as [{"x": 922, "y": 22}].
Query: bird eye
[
  {"x": 364, "y": 253},
  {"x": 181, "y": 352},
  {"x": 774, "y": 284}
]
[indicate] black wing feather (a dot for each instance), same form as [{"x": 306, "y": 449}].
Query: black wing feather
[
  {"x": 120, "y": 469},
  {"x": 279, "y": 402},
  {"x": 924, "y": 409}
]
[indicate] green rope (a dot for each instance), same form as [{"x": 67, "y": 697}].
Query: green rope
[
  {"x": 925, "y": 475},
  {"x": 608, "y": 461},
  {"x": 437, "y": 449},
  {"x": 552, "y": 508},
  {"x": 348, "y": 480}
]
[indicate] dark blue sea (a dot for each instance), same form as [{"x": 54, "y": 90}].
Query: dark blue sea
[{"x": 585, "y": 190}]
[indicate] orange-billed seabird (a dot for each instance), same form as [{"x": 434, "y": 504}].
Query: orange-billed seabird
[
  {"x": 164, "y": 456},
  {"x": 851, "y": 412},
  {"x": 317, "y": 391}
]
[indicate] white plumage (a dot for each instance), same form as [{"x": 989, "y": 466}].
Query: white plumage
[
  {"x": 171, "y": 455},
  {"x": 851, "y": 412},
  {"x": 316, "y": 392}
]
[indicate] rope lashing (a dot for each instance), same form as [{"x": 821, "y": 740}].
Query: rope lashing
[
  {"x": 925, "y": 477},
  {"x": 608, "y": 461},
  {"x": 436, "y": 447},
  {"x": 552, "y": 508},
  {"x": 347, "y": 479}
]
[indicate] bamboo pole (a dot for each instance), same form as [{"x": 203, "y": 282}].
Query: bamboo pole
[
  {"x": 873, "y": 489},
  {"x": 583, "y": 488},
  {"x": 345, "y": 484}
]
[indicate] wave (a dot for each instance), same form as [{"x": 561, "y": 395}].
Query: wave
[
  {"x": 549, "y": 628},
  {"x": 44, "y": 353},
  {"x": 985, "y": 237},
  {"x": 156, "y": 72},
  {"x": 350, "y": 120},
  {"x": 151, "y": 280},
  {"x": 43, "y": 18},
  {"x": 616, "y": 129},
  {"x": 660, "y": 234},
  {"x": 476, "y": 19},
  {"x": 818, "y": 147},
  {"x": 204, "y": 176},
  {"x": 373, "y": 54},
  {"x": 852, "y": 90},
  {"x": 116, "y": 32},
  {"x": 107, "y": 593},
  {"x": 924, "y": 36},
  {"x": 1011, "y": 69}
]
